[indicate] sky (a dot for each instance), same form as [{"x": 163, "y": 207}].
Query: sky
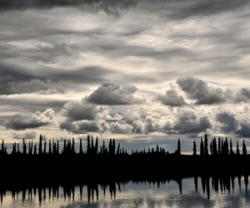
[{"x": 143, "y": 72}]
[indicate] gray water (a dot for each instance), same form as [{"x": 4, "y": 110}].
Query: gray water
[{"x": 172, "y": 194}]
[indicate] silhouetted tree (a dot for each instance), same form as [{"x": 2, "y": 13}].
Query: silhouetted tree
[
  {"x": 24, "y": 147},
  {"x": 80, "y": 150},
  {"x": 231, "y": 147},
  {"x": 237, "y": 149},
  {"x": 206, "y": 145},
  {"x": 244, "y": 148},
  {"x": 194, "y": 148},
  {"x": 178, "y": 151},
  {"x": 40, "y": 145},
  {"x": 201, "y": 148}
]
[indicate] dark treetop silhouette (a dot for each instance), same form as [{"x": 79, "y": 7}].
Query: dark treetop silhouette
[{"x": 45, "y": 160}]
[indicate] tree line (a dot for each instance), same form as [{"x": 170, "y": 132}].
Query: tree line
[{"x": 217, "y": 146}]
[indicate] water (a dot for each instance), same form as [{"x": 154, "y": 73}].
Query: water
[{"x": 229, "y": 192}]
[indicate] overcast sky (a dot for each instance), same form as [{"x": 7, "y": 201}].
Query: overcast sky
[{"x": 144, "y": 72}]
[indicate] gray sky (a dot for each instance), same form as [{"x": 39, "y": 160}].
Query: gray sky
[{"x": 144, "y": 72}]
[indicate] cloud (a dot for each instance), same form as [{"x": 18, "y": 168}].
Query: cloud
[
  {"x": 244, "y": 130},
  {"x": 199, "y": 90},
  {"x": 243, "y": 95},
  {"x": 18, "y": 80},
  {"x": 228, "y": 120},
  {"x": 25, "y": 135},
  {"x": 110, "y": 6},
  {"x": 171, "y": 98},
  {"x": 240, "y": 128},
  {"x": 81, "y": 127},
  {"x": 75, "y": 111},
  {"x": 30, "y": 120},
  {"x": 188, "y": 123},
  {"x": 113, "y": 94}
]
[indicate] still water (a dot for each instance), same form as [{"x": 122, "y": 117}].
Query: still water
[{"x": 229, "y": 192}]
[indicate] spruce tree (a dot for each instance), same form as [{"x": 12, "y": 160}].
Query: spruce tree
[
  {"x": 194, "y": 148},
  {"x": 80, "y": 150},
  {"x": 206, "y": 145},
  {"x": 244, "y": 148},
  {"x": 201, "y": 148},
  {"x": 231, "y": 147},
  {"x": 237, "y": 149}
]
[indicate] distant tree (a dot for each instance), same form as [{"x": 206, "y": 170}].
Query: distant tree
[
  {"x": 35, "y": 151},
  {"x": 244, "y": 148},
  {"x": 219, "y": 146},
  {"x": 194, "y": 148},
  {"x": 206, "y": 145},
  {"x": 178, "y": 151},
  {"x": 50, "y": 148},
  {"x": 45, "y": 147},
  {"x": 215, "y": 151},
  {"x": 231, "y": 147},
  {"x": 201, "y": 148},
  {"x": 96, "y": 145},
  {"x": 24, "y": 147},
  {"x": 88, "y": 144},
  {"x": 73, "y": 146},
  {"x": 40, "y": 145},
  {"x": 237, "y": 149},
  {"x": 80, "y": 150}
]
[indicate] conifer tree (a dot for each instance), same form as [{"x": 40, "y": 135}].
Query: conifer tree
[
  {"x": 88, "y": 144},
  {"x": 244, "y": 148},
  {"x": 96, "y": 145},
  {"x": 24, "y": 147},
  {"x": 231, "y": 147},
  {"x": 80, "y": 150},
  {"x": 178, "y": 151},
  {"x": 45, "y": 146},
  {"x": 194, "y": 148},
  {"x": 40, "y": 145},
  {"x": 206, "y": 145},
  {"x": 201, "y": 148},
  {"x": 237, "y": 149},
  {"x": 50, "y": 148}
]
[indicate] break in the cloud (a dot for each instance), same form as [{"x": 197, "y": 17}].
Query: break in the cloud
[
  {"x": 30, "y": 120},
  {"x": 113, "y": 94}
]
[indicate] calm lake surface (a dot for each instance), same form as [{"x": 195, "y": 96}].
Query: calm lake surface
[{"x": 189, "y": 192}]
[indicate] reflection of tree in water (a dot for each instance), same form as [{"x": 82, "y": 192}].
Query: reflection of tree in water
[{"x": 218, "y": 184}]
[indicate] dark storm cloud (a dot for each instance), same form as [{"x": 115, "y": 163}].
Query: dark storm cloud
[
  {"x": 79, "y": 111},
  {"x": 200, "y": 91},
  {"x": 230, "y": 124},
  {"x": 109, "y": 6},
  {"x": 16, "y": 80},
  {"x": 113, "y": 94},
  {"x": 189, "y": 123},
  {"x": 243, "y": 95},
  {"x": 30, "y": 120},
  {"x": 175, "y": 9},
  {"x": 81, "y": 127},
  {"x": 244, "y": 130},
  {"x": 171, "y": 98}
]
